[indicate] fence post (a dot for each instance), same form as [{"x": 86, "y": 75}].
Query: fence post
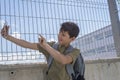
[{"x": 115, "y": 23}]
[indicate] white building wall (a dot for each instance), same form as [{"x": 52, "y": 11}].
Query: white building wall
[{"x": 97, "y": 45}]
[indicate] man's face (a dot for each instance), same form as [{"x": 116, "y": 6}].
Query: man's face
[{"x": 64, "y": 38}]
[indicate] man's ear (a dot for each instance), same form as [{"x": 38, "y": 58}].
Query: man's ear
[{"x": 73, "y": 38}]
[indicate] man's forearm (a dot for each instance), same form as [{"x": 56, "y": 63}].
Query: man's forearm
[
  {"x": 57, "y": 55},
  {"x": 20, "y": 42}
]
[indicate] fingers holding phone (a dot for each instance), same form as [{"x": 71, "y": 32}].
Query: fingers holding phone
[{"x": 4, "y": 31}]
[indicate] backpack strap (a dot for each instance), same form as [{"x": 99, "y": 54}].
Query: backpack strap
[
  {"x": 69, "y": 67},
  {"x": 70, "y": 71}
]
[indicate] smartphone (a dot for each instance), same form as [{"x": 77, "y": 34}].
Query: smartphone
[{"x": 2, "y": 23}]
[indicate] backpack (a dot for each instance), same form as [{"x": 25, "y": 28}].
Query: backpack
[{"x": 76, "y": 71}]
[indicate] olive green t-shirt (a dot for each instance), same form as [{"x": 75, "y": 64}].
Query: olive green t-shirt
[{"x": 57, "y": 70}]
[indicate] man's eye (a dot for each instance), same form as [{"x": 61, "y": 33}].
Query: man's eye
[{"x": 63, "y": 34}]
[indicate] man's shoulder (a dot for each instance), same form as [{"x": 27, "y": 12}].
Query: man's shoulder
[
  {"x": 51, "y": 43},
  {"x": 76, "y": 49}
]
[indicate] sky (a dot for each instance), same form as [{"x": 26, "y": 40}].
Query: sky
[{"x": 28, "y": 18}]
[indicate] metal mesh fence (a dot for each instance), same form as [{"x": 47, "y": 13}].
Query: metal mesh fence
[{"x": 28, "y": 18}]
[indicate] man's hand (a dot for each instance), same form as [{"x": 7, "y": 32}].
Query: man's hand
[
  {"x": 4, "y": 31},
  {"x": 42, "y": 41}
]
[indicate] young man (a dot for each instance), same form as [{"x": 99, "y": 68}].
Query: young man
[{"x": 68, "y": 32}]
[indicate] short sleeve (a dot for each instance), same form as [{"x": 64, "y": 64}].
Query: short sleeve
[{"x": 74, "y": 54}]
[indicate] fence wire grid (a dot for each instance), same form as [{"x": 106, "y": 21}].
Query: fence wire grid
[{"x": 28, "y": 18}]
